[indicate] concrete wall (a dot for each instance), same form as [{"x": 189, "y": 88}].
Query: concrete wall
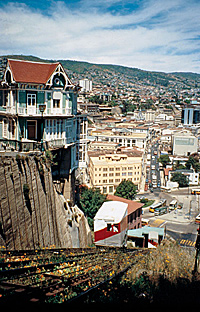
[{"x": 43, "y": 217}]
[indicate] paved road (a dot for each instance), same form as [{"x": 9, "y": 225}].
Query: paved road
[
  {"x": 154, "y": 174},
  {"x": 184, "y": 239},
  {"x": 180, "y": 225}
]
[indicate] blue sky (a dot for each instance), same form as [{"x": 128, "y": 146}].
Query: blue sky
[{"x": 148, "y": 34}]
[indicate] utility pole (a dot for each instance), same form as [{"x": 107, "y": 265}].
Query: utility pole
[{"x": 197, "y": 257}]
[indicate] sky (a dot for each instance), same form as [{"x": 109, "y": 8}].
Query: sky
[{"x": 158, "y": 35}]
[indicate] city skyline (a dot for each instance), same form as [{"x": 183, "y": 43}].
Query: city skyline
[{"x": 145, "y": 34}]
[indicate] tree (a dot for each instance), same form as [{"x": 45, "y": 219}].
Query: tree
[
  {"x": 164, "y": 160},
  {"x": 177, "y": 165},
  {"x": 126, "y": 189},
  {"x": 91, "y": 200},
  {"x": 194, "y": 162},
  {"x": 180, "y": 178}
]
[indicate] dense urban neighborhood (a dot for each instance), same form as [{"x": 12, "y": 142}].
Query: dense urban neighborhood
[{"x": 95, "y": 155}]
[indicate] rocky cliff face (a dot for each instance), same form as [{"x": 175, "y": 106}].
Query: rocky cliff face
[{"x": 32, "y": 213}]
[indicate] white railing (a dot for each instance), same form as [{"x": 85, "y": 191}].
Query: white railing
[
  {"x": 32, "y": 110},
  {"x": 11, "y": 109},
  {"x": 57, "y": 142}
]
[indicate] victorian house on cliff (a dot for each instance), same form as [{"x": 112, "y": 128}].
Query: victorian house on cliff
[{"x": 38, "y": 109}]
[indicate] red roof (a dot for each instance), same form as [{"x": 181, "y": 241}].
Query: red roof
[
  {"x": 132, "y": 205},
  {"x": 31, "y": 72},
  {"x": 166, "y": 171}
]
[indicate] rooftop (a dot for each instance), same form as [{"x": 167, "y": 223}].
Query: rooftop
[
  {"x": 132, "y": 204},
  {"x": 31, "y": 72},
  {"x": 130, "y": 153},
  {"x": 145, "y": 230},
  {"x": 112, "y": 211}
]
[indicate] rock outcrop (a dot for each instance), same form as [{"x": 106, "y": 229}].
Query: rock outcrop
[{"x": 32, "y": 213}]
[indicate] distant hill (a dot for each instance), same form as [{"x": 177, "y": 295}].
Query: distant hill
[{"x": 104, "y": 73}]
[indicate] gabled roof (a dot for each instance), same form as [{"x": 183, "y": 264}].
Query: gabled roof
[{"x": 31, "y": 72}]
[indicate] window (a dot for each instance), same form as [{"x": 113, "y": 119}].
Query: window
[
  {"x": 5, "y": 128},
  {"x": 104, "y": 169},
  {"x": 123, "y": 174},
  {"x": 123, "y": 168},
  {"x": 111, "y": 174},
  {"x": 110, "y": 189},
  {"x": 31, "y": 99},
  {"x": 117, "y": 169},
  {"x": 104, "y": 190},
  {"x": 117, "y": 180},
  {"x": 11, "y": 128},
  {"x": 104, "y": 174},
  {"x": 104, "y": 181},
  {"x": 111, "y": 169},
  {"x": 56, "y": 103},
  {"x": 111, "y": 181},
  {"x": 130, "y": 173},
  {"x": 117, "y": 174},
  {"x": 109, "y": 227}
]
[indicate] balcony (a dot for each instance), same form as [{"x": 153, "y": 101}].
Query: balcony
[
  {"x": 34, "y": 111},
  {"x": 31, "y": 145},
  {"x": 8, "y": 109}
]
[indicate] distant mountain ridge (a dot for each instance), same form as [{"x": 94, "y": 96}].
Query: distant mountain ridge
[{"x": 104, "y": 72}]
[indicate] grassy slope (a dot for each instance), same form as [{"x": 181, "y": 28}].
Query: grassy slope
[{"x": 163, "y": 277}]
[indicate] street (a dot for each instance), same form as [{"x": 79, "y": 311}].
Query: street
[{"x": 180, "y": 223}]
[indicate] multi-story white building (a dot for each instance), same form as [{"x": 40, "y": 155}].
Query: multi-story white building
[
  {"x": 86, "y": 85},
  {"x": 184, "y": 144},
  {"x": 124, "y": 137}
]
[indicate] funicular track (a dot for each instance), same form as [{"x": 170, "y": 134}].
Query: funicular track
[{"x": 60, "y": 275}]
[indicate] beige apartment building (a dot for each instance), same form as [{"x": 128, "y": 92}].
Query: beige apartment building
[{"x": 107, "y": 169}]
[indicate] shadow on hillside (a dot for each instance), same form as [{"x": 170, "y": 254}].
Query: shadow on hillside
[{"x": 156, "y": 292}]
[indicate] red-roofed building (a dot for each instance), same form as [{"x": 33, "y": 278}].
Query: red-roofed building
[
  {"x": 38, "y": 110},
  {"x": 38, "y": 102},
  {"x": 134, "y": 211}
]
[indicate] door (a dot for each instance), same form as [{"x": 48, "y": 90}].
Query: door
[{"x": 31, "y": 130}]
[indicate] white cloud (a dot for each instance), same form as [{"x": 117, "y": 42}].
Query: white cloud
[{"x": 154, "y": 37}]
